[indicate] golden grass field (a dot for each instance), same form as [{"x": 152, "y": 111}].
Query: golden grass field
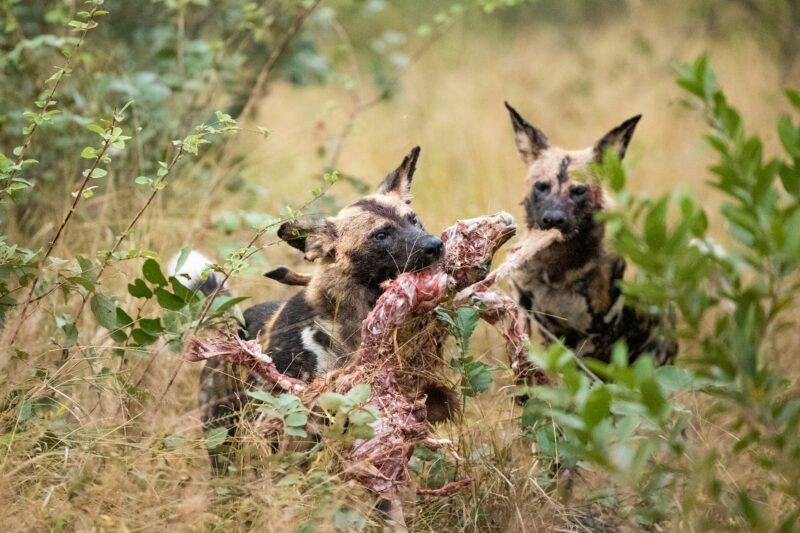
[{"x": 575, "y": 83}]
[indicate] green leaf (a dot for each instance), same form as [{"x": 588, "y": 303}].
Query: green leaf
[
  {"x": 173, "y": 442},
  {"x": 123, "y": 318},
  {"x": 330, "y": 178},
  {"x": 362, "y": 432},
  {"x": 152, "y": 272},
  {"x": 750, "y": 510},
  {"x": 215, "y": 437},
  {"x": 655, "y": 225},
  {"x": 789, "y": 136},
  {"x": 296, "y": 432},
  {"x": 444, "y": 316},
  {"x": 181, "y": 291},
  {"x": 260, "y": 395},
  {"x": 119, "y": 336},
  {"x": 362, "y": 417},
  {"x": 70, "y": 335},
  {"x": 296, "y": 419},
  {"x": 349, "y": 520},
  {"x": 89, "y": 153},
  {"x": 182, "y": 257},
  {"x": 169, "y": 301},
  {"x": 546, "y": 441},
  {"x": 331, "y": 401},
  {"x": 24, "y": 411},
  {"x": 104, "y": 311},
  {"x": 142, "y": 338},
  {"x": 476, "y": 376},
  {"x": 653, "y": 398},
  {"x": 223, "y": 303},
  {"x": 290, "y": 479},
  {"x": 138, "y": 289},
  {"x": 790, "y": 178},
  {"x": 360, "y": 393},
  {"x": 466, "y": 320},
  {"x": 597, "y": 407},
  {"x": 83, "y": 282},
  {"x": 794, "y": 98},
  {"x": 151, "y": 326}
]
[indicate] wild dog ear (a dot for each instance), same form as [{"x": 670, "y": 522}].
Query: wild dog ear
[
  {"x": 618, "y": 139},
  {"x": 315, "y": 237},
  {"x": 399, "y": 180},
  {"x": 530, "y": 141}
]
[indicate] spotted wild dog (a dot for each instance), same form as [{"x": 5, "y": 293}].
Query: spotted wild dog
[
  {"x": 367, "y": 243},
  {"x": 571, "y": 288}
]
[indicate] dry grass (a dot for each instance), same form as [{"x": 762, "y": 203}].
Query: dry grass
[{"x": 115, "y": 469}]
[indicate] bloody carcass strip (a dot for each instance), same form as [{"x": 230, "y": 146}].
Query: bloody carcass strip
[{"x": 461, "y": 277}]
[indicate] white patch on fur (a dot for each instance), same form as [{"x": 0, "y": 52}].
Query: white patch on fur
[
  {"x": 310, "y": 344},
  {"x": 615, "y": 312},
  {"x": 194, "y": 266}
]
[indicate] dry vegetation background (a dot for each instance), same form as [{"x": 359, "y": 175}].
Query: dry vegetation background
[{"x": 137, "y": 460}]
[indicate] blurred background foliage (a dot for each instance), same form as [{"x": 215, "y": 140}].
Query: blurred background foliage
[{"x": 242, "y": 112}]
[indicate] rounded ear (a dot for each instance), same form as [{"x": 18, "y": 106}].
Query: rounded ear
[
  {"x": 315, "y": 237},
  {"x": 616, "y": 139},
  {"x": 398, "y": 181},
  {"x": 530, "y": 141}
]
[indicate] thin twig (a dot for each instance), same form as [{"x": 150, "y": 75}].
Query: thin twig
[
  {"x": 178, "y": 155},
  {"x": 87, "y": 176}
]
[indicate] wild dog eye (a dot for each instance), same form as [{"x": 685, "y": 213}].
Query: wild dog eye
[
  {"x": 542, "y": 186},
  {"x": 412, "y": 219},
  {"x": 381, "y": 234},
  {"x": 579, "y": 191}
]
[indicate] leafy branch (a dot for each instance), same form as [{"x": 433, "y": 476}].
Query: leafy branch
[
  {"x": 45, "y": 114},
  {"x": 112, "y": 137}
]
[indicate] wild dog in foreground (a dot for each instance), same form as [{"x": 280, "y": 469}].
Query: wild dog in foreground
[
  {"x": 571, "y": 288},
  {"x": 400, "y": 335},
  {"x": 365, "y": 244}
]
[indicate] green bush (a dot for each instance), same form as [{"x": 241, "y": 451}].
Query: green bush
[{"x": 732, "y": 302}]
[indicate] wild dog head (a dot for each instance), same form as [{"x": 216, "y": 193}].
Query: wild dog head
[
  {"x": 556, "y": 198},
  {"x": 373, "y": 239}
]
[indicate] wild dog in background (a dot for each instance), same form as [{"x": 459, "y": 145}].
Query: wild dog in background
[
  {"x": 365, "y": 244},
  {"x": 571, "y": 288}
]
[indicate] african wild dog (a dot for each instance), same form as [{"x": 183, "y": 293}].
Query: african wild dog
[
  {"x": 364, "y": 245},
  {"x": 571, "y": 288}
]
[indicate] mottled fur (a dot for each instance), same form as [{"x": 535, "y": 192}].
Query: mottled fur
[
  {"x": 364, "y": 245},
  {"x": 571, "y": 288}
]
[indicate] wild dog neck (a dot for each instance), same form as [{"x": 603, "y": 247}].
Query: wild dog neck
[
  {"x": 342, "y": 301},
  {"x": 561, "y": 257}
]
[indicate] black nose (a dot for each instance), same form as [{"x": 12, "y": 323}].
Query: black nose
[
  {"x": 433, "y": 247},
  {"x": 554, "y": 219}
]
